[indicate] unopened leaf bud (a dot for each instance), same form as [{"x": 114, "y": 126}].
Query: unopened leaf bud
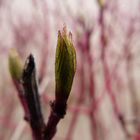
[{"x": 65, "y": 65}]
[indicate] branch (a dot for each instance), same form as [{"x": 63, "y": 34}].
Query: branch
[
  {"x": 57, "y": 113},
  {"x": 32, "y": 98}
]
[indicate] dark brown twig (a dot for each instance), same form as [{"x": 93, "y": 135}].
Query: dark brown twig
[
  {"x": 32, "y": 98},
  {"x": 57, "y": 113}
]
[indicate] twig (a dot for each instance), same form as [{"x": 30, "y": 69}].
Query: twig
[
  {"x": 32, "y": 98},
  {"x": 57, "y": 113}
]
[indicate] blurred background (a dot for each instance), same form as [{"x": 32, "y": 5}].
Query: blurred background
[{"x": 105, "y": 102}]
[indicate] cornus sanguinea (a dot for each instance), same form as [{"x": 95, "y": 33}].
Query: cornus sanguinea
[{"x": 27, "y": 87}]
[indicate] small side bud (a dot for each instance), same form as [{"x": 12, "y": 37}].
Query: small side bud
[
  {"x": 65, "y": 65},
  {"x": 15, "y": 65},
  {"x": 101, "y": 3}
]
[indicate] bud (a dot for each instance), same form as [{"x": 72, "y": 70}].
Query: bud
[
  {"x": 15, "y": 65},
  {"x": 101, "y": 3},
  {"x": 65, "y": 65}
]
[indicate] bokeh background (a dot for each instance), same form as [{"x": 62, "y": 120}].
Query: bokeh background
[{"x": 105, "y": 101}]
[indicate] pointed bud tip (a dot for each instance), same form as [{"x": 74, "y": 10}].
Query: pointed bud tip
[
  {"x": 29, "y": 65},
  {"x": 31, "y": 58},
  {"x": 65, "y": 35}
]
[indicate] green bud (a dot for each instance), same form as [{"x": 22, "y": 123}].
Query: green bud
[
  {"x": 15, "y": 65},
  {"x": 101, "y": 3},
  {"x": 65, "y": 65}
]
